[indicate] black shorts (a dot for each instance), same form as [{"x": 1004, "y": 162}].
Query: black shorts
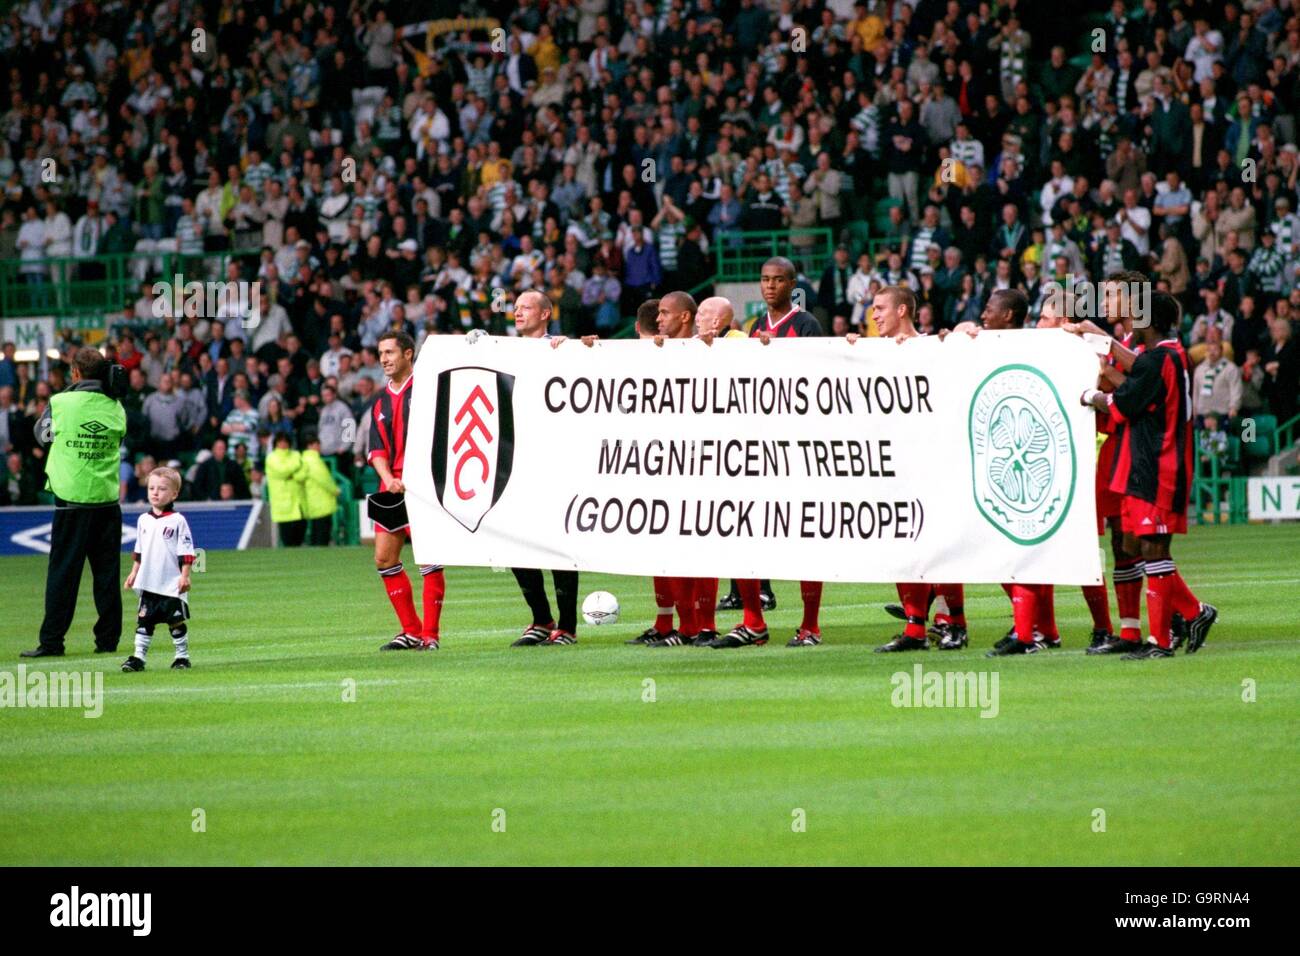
[
  {"x": 161, "y": 609},
  {"x": 387, "y": 509}
]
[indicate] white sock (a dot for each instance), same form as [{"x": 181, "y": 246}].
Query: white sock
[
  {"x": 142, "y": 639},
  {"x": 181, "y": 640}
]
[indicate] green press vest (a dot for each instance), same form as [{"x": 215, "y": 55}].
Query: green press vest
[{"x": 88, "y": 427}]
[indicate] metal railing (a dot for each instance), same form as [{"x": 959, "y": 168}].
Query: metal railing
[
  {"x": 741, "y": 254},
  {"x": 1219, "y": 488},
  {"x": 1286, "y": 434},
  {"x": 1213, "y": 488},
  {"x": 71, "y": 286}
]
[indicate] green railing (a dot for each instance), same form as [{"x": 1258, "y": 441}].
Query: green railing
[
  {"x": 97, "y": 284},
  {"x": 741, "y": 254},
  {"x": 1286, "y": 435},
  {"x": 346, "y": 528},
  {"x": 1219, "y": 489},
  {"x": 1213, "y": 488}
]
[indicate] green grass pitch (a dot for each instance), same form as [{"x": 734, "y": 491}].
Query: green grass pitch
[{"x": 714, "y": 770}]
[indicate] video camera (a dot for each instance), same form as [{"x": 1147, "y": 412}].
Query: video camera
[{"x": 116, "y": 382}]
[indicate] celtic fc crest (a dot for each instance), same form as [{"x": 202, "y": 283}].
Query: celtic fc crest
[{"x": 1022, "y": 454}]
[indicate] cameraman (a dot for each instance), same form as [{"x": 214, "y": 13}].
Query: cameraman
[{"x": 83, "y": 428}]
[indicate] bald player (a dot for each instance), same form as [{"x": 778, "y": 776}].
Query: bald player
[
  {"x": 675, "y": 318},
  {"x": 694, "y": 598},
  {"x": 672, "y": 317},
  {"x": 647, "y": 327},
  {"x": 713, "y": 320},
  {"x": 532, "y": 318}
]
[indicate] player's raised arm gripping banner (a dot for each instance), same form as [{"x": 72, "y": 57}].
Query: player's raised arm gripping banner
[{"x": 964, "y": 460}]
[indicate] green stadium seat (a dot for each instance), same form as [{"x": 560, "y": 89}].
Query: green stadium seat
[
  {"x": 1262, "y": 447},
  {"x": 858, "y": 235}
]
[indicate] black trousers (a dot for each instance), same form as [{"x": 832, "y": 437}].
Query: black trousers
[
  {"x": 292, "y": 533},
  {"x": 319, "y": 530},
  {"x": 533, "y": 585},
  {"x": 80, "y": 534}
]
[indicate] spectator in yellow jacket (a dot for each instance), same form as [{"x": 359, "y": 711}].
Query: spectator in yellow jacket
[
  {"x": 320, "y": 494},
  {"x": 285, "y": 472}
]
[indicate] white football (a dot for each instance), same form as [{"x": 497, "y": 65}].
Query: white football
[{"x": 601, "y": 607}]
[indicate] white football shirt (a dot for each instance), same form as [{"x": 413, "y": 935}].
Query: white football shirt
[{"x": 163, "y": 543}]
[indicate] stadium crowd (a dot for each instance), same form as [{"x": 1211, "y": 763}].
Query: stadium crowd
[{"x": 374, "y": 174}]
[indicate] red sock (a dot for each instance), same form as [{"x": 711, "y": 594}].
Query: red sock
[
  {"x": 1024, "y": 607},
  {"x": 435, "y": 587},
  {"x": 954, "y": 595},
  {"x": 1047, "y": 611},
  {"x": 1185, "y": 602},
  {"x": 398, "y": 586},
  {"x": 811, "y": 591},
  {"x": 706, "y": 603},
  {"x": 664, "y": 604},
  {"x": 1128, "y": 595},
  {"x": 1009, "y": 590},
  {"x": 1160, "y": 600},
  {"x": 684, "y": 599},
  {"x": 753, "y": 603},
  {"x": 916, "y": 605},
  {"x": 1098, "y": 605}
]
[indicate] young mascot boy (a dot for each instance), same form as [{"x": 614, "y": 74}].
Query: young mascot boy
[{"x": 160, "y": 574}]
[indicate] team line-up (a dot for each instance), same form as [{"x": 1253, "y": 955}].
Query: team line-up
[{"x": 1143, "y": 475}]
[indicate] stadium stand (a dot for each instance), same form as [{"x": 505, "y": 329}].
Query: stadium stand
[{"x": 322, "y": 172}]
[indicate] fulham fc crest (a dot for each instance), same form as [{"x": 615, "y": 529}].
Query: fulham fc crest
[{"x": 473, "y": 441}]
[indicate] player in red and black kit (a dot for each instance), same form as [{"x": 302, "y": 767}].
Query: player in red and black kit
[
  {"x": 389, "y": 416},
  {"x": 783, "y": 320},
  {"x": 695, "y": 599},
  {"x": 1118, "y": 293},
  {"x": 1153, "y": 471}
]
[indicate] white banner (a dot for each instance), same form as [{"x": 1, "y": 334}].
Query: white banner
[
  {"x": 966, "y": 460},
  {"x": 29, "y": 336},
  {"x": 1271, "y": 498}
]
